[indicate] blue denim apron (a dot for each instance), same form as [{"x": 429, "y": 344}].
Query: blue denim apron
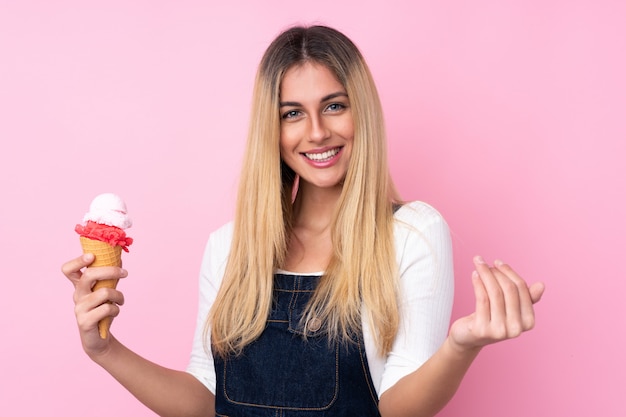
[{"x": 282, "y": 374}]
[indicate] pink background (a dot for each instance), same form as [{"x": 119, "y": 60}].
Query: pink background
[{"x": 508, "y": 116}]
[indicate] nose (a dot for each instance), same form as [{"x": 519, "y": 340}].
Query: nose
[{"x": 318, "y": 131}]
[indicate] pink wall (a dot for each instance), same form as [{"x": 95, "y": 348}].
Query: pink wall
[{"x": 508, "y": 116}]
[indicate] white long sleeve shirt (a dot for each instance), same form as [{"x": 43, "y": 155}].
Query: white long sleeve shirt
[{"x": 424, "y": 258}]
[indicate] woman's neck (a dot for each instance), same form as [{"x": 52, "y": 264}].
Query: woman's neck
[
  {"x": 314, "y": 207},
  {"x": 310, "y": 243}
]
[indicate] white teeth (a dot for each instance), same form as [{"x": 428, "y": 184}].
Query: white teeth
[{"x": 322, "y": 156}]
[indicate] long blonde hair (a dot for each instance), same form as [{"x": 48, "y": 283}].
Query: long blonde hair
[{"x": 363, "y": 268}]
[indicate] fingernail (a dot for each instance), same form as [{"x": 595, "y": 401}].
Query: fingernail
[
  {"x": 498, "y": 262},
  {"x": 474, "y": 274},
  {"x": 123, "y": 273},
  {"x": 88, "y": 257},
  {"x": 479, "y": 260}
]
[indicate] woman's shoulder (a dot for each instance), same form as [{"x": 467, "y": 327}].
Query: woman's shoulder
[
  {"x": 223, "y": 234},
  {"x": 418, "y": 214},
  {"x": 218, "y": 245},
  {"x": 422, "y": 237},
  {"x": 216, "y": 255}
]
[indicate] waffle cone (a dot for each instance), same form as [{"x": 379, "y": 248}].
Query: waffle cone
[{"x": 105, "y": 255}]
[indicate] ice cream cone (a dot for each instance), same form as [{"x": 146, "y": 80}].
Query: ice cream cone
[{"x": 105, "y": 255}]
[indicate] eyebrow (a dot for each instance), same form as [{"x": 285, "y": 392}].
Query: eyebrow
[{"x": 323, "y": 99}]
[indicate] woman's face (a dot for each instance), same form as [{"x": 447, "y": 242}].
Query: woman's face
[{"x": 316, "y": 128}]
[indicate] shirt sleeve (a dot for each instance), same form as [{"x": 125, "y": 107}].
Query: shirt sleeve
[
  {"x": 211, "y": 273},
  {"x": 424, "y": 255}
]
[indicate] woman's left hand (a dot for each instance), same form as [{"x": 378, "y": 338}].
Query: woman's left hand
[{"x": 504, "y": 307}]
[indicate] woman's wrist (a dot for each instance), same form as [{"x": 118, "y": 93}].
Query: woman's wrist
[
  {"x": 102, "y": 356},
  {"x": 460, "y": 351}
]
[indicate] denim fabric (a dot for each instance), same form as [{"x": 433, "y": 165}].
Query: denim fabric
[{"x": 282, "y": 374}]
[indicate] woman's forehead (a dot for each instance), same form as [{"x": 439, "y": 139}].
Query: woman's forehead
[{"x": 309, "y": 80}]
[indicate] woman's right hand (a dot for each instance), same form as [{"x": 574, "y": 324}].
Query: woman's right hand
[
  {"x": 91, "y": 307},
  {"x": 166, "y": 391}
]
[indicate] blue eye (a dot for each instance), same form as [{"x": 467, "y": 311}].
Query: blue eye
[
  {"x": 334, "y": 107},
  {"x": 290, "y": 114}
]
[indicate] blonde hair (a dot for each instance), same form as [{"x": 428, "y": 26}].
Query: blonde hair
[{"x": 363, "y": 268}]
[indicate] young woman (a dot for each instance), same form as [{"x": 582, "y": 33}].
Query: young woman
[{"x": 327, "y": 295}]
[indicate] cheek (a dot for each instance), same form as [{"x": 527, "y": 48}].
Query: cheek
[
  {"x": 288, "y": 140},
  {"x": 348, "y": 136},
  {"x": 346, "y": 129},
  {"x": 283, "y": 145},
  {"x": 286, "y": 147}
]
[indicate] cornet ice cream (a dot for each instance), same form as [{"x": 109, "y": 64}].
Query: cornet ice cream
[{"x": 102, "y": 234}]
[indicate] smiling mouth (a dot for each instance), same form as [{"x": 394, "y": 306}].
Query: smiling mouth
[{"x": 323, "y": 156}]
